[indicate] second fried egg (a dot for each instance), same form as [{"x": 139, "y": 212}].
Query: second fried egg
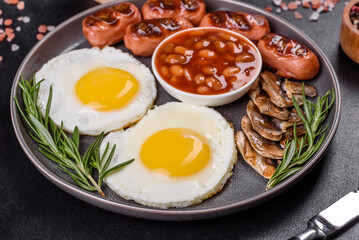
[{"x": 183, "y": 155}]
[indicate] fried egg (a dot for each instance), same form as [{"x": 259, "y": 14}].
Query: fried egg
[
  {"x": 183, "y": 154},
  {"x": 98, "y": 90}
]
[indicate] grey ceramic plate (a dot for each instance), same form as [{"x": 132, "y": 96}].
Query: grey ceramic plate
[{"x": 244, "y": 189}]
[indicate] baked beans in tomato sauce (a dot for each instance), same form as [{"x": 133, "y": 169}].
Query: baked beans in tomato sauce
[{"x": 207, "y": 62}]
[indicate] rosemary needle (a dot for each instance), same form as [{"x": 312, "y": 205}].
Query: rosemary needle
[
  {"x": 298, "y": 151},
  {"x": 56, "y": 145}
]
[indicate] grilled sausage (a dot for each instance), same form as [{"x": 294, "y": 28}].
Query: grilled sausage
[
  {"x": 142, "y": 38},
  {"x": 193, "y": 10},
  {"x": 290, "y": 58},
  {"x": 108, "y": 26},
  {"x": 251, "y": 26}
]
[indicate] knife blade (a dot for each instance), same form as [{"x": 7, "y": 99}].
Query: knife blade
[{"x": 332, "y": 219}]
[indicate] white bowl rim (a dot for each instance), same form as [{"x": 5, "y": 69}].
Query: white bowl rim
[{"x": 202, "y": 96}]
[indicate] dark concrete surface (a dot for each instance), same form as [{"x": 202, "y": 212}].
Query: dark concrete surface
[{"x": 31, "y": 207}]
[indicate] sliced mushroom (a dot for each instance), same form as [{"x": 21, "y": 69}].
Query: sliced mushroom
[
  {"x": 295, "y": 88},
  {"x": 263, "y": 166},
  {"x": 284, "y": 125},
  {"x": 264, "y": 104},
  {"x": 289, "y": 135},
  {"x": 294, "y": 116},
  {"x": 262, "y": 123},
  {"x": 264, "y": 147}
]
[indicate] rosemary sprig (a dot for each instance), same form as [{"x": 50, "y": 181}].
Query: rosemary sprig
[
  {"x": 298, "y": 151},
  {"x": 56, "y": 145}
]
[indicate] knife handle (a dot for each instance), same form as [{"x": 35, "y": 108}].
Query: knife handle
[{"x": 312, "y": 232}]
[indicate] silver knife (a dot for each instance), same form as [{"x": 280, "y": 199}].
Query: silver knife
[{"x": 331, "y": 220}]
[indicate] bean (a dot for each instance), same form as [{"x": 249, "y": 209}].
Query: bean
[
  {"x": 233, "y": 48},
  {"x": 214, "y": 83},
  {"x": 202, "y": 44},
  {"x": 176, "y": 70},
  {"x": 187, "y": 75},
  {"x": 191, "y": 41},
  {"x": 164, "y": 70},
  {"x": 228, "y": 37},
  {"x": 203, "y": 90},
  {"x": 245, "y": 57},
  {"x": 183, "y": 51},
  {"x": 229, "y": 57},
  {"x": 175, "y": 59},
  {"x": 209, "y": 70},
  {"x": 219, "y": 46},
  {"x": 175, "y": 80},
  {"x": 168, "y": 48},
  {"x": 163, "y": 57},
  {"x": 203, "y": 63},
  {"x": 207, "y": 53},
  {"x": 199, "y": 79},
  {"x": 230, "y": 71}
]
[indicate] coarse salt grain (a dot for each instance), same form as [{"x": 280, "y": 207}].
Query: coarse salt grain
[
  {"x": 278, "y": 10},
  {"x": 50, "y": 28},
  {"x": 14, "y": 47},
  {"x": 18, "y": 29},
  {"x": 1, "y": 21},
  {"x": 42, "y": 29},
  {"x": 21, "y": 5},
  {"x": 39, "y": 36},
  {"x": 7, "y": 22},
  {"x": 314, "y": 16},
  {"x": 277, "y": 2},
  {"x": 297, "y": 15},
  {"x": 26, "y": 19}
]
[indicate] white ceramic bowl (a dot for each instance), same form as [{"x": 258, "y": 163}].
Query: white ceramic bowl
[{"x": 206, "y": 100}]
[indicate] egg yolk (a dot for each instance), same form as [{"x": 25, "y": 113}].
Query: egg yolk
[
  {"x": 106, "y": 89},
  {"x": 175, "y": 152}
]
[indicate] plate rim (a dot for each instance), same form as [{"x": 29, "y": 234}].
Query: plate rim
[{"x": 170, "y": 214}]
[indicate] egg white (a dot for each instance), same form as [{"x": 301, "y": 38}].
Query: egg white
[
  {"x": 63, "y": 72},
  {"x": 137, "y": 182}
]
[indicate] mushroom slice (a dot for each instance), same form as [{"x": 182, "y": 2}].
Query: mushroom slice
[
  {"x": 265, "y": 106},
  {"x": 263, "y": 166},
  {"x": 295, "y": 88},
  {"x": 272, "y": 85},
  {"x": 262, "y": 123},
  {"x": 284, "y": 125},
  {"x": 264, "y": 147},
  {"x": 288, "y": 136}
]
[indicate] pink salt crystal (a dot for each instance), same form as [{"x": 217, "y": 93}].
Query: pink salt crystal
[
  {"x": 9, "y": 30},
  {"x": 42, "y": 29},
  {"x": 0, "y": 58},
  {"x": 292, "y": 6},
  {"x": 20, "y": 18},
  {"x": 2, "y": 37},
  {"x": 10, "y": 36},
  {"x": 268, "y": 9},
  {"x": 297, "y": 15},
  {"x": 306, "y": 4},
  {"x": 0, "y": 12},
  {"x": 8, "y": 22},
  {"x": 21, "y": 5},
  {"x": 39, "y": 36},
  {"x": 316, "y": 4},
  {"x": 12, "y": 2},
  {"x": 284, "y": 6},
  {"x": 1, "y": 21}
]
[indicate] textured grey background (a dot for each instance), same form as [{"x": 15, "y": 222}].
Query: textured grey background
[{"x": 33, "y": 208}]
